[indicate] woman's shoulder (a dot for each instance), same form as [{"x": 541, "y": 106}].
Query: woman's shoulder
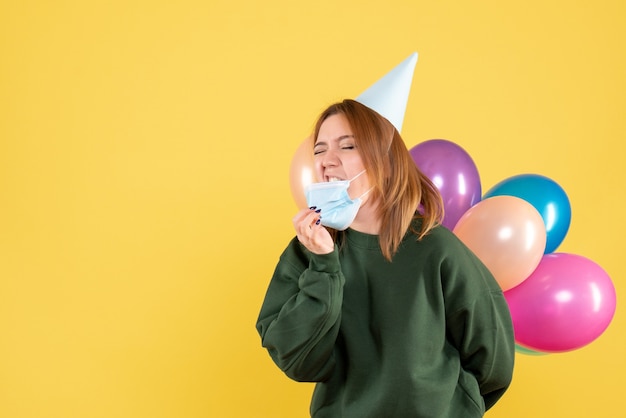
[
  {"x": 442, "y": 241},
  {"x": 439, "y": 234},
  {"x": 295, "y": 254},
  {"x": 294, "y": 249}
]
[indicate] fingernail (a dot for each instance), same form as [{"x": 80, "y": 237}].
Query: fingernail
[
  {"x": 318, "y": 222},
  {"x": 312, "y": 207},
  {"x": 318, "y": 211}
]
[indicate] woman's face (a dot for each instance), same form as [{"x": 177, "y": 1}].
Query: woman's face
[{"x": 336, "y": 156}]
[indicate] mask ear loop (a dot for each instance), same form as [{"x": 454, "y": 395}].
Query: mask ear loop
[
  {"x": 355, "y": 177},
  {"x": 366, "y": 192},
  {"x": 388, "y": 149}
]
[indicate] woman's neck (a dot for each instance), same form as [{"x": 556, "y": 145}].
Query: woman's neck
[{"x": 367, "y": 220}]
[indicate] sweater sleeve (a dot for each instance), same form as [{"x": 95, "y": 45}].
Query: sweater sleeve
[
  {"x": 483, "y": 335},
  {"x": 482, "y": 330},
  {"x": 301, "y": 313}
]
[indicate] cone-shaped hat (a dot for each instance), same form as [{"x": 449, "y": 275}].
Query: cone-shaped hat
[{"x": 389, "y": 95}]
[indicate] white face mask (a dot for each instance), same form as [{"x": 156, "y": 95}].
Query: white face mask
[{"x": 338, "y": 209}]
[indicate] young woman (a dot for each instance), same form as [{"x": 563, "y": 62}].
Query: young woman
[{"x": 385, "y": 309}]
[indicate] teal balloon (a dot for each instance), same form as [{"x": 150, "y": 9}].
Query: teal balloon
[{"x": 546, "y": 196}]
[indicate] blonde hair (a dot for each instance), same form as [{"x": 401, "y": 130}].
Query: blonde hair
[{"x": 403, "y": 193}]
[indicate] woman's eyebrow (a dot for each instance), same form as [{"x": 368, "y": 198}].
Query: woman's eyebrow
[{"x": 339, "y": 138}]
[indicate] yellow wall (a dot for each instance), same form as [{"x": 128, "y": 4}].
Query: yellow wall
[{"x": 144, "y": 191}]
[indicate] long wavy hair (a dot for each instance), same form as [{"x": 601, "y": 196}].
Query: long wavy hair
[{"x": 403, "y": 193}]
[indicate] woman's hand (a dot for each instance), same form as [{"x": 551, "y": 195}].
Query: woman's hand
[{"x": 311, "y": 233}]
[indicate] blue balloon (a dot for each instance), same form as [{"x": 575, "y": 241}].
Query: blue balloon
[{"x": 546, "y": 196}]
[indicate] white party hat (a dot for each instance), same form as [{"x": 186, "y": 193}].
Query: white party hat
[{"x": 389, "y": 95}]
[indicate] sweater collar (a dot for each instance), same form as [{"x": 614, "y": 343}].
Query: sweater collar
[{"x": 362, "y": 239}]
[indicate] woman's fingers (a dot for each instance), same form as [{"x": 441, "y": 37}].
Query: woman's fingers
[
  {"x": 311, "y": 233},
  {"x": 306, "y": 218}
]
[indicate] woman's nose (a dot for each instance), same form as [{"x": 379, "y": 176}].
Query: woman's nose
[{"x": 330, "y": 159}]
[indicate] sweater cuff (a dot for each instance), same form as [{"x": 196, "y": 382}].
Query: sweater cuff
[{"x": 325, "y": 263}]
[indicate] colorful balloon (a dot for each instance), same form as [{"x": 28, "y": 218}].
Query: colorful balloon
[
  {"x": 454, "y": 173},
  {"x": 566, "y": 303},
  {"x": 508, "y": 236},
  {"x": 523, "y": 350},
  {"x": 546, "y": 196},
  {"x": 301, "y": 172}
]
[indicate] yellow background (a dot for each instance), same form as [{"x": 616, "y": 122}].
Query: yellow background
[{"x": 144, "y": 190}]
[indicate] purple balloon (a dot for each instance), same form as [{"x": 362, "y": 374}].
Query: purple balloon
[
  {"x": 566, "y": 303},
  {"x": 454, "y": 173}
]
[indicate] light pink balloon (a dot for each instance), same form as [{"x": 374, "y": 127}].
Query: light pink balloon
[
  {"x": 566, "y": 303},
  {"x": 507, "y": 234},
  {"x": 301, "y": 171}
]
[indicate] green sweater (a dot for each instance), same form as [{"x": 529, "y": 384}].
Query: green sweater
[{"x": 427, "y": 335}]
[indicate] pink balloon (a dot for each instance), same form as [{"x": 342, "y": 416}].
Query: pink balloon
[
  {"x": 565, "y": 304},
  {"x": 507, "y": 234}
]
